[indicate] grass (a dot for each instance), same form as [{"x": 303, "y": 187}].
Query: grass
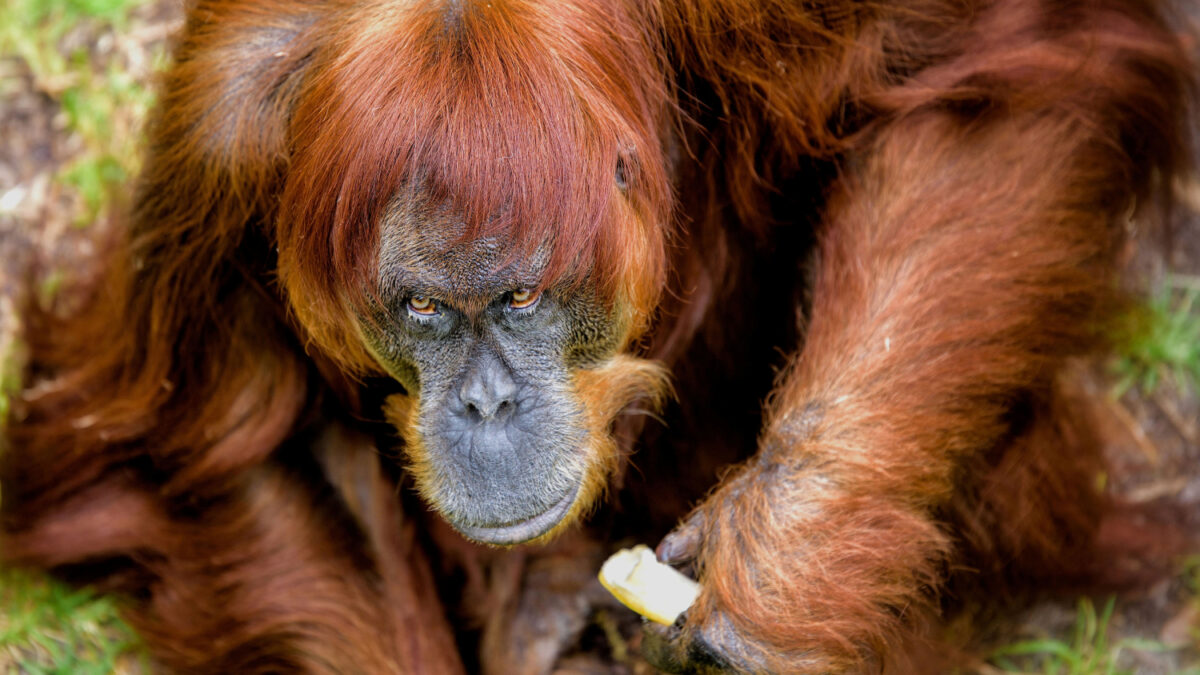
[
  {"x": 51, "y": 629},
  {"x": 79, "y": 54},
  {"x": 1158, "y": 343},
  {"x": 1088, "y": 650},
  {"x": 76, "y": 53}
]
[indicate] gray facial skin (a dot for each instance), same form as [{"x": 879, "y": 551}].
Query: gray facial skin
[{"x": 502, "y": 433}]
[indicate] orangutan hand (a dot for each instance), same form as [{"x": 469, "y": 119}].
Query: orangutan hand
[{"x": 798, "y": 574}]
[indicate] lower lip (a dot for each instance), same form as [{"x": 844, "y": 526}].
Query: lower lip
[{"x": 517, "y": 533}]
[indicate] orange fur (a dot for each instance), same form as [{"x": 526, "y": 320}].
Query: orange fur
[{"x": 862, "y": 238}]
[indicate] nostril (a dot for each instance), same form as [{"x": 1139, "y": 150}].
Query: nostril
[
  {"x": 482, "y": 409},
  {"x": 489, "y": 391}
]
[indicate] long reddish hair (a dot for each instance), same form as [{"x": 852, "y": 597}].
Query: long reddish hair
[
  {"x": 516, "y": 114},
  {"x": 223, "y": 319}
]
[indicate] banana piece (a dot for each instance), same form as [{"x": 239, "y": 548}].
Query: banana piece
[{"x": 656, "y": 591}]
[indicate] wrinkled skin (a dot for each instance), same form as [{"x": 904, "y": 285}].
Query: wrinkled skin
[{"x": 490, "y": 357}]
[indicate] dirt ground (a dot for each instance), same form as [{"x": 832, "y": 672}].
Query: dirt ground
[{"x": 1153, "y": 440}]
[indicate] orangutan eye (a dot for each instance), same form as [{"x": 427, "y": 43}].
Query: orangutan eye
[
  {"x": 523, "y": 299},
  {"x": 422, "y": 306},
  {"x": 622, "y": 176}
]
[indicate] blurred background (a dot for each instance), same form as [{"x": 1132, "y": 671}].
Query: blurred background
[{"x": 76, "y": 82}]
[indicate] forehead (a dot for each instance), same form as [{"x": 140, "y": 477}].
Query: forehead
[{"x": 424, "y": 249}]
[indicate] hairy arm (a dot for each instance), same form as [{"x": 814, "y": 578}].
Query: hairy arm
[{"x": 965, "y": 252}]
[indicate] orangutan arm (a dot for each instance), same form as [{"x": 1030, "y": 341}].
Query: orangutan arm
[{"x": 958, "y": 266}]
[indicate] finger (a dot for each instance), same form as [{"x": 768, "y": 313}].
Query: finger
[{"x": 682, "y": 545}]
